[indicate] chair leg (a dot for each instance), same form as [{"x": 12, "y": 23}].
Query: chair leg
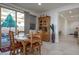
[
  {"x": 40, "y": 50},
  {"x": 21, "y": 50},
  {"x": 32, "y": 50},
  {"x": 17, "y": 51},
  {"x": 10, "y": 52},
  {"x": 41, "y": 43},
  {"x": 13, "y": 52}
]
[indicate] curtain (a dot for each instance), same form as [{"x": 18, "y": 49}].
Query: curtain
[
  {"x": 32, "y": 22},
  {"x": 27, "y": 22},
  {"x": 0, "y": 27}
]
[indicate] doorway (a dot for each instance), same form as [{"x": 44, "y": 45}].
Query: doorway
[{"x": 68, "y": 22}]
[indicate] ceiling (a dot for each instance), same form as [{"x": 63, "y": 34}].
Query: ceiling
[
  {"x": 71, "y": 15},
  {"x": 40, "y": 8}
]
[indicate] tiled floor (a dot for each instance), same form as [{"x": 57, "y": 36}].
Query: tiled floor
[{"x": 67, "y": 46}]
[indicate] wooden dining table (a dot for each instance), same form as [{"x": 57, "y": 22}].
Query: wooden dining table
[{"x": 23, "y": 40}]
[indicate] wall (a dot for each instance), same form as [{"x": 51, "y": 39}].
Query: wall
[{"x": 61, "y": 25}]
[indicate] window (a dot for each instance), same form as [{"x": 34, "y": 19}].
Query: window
[
  {"x": 9, "y": 16},
  {"x": 20, "y": 21}
]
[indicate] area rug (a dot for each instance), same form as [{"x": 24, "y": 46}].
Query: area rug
[{"x": 5, "y": 49}]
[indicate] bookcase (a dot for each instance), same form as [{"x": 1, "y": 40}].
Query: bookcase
[{"x": 44, "y": 26}]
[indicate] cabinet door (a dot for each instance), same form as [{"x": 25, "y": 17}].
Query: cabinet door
[{"x": 45, "y": 36}]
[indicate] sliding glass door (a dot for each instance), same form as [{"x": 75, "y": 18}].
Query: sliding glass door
[
  {"x": 7, "y": 19},
  {"x": 14, "y": 21}
]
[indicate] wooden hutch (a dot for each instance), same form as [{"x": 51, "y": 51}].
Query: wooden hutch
[{"x": 44, "y": 26}]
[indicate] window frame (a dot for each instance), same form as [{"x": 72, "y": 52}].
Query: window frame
[
  {"x": 0, "y": 26},
  {"x": 24, "y": 19}
]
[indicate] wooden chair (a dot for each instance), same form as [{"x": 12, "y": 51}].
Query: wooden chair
[
  {"x": 14, "y": 45},
  {"x": 28, "y": 48},
  {"x": 29, "y": 45},
  {"x": 36, "y": 42},
  {"x": 40, "y": 36}
]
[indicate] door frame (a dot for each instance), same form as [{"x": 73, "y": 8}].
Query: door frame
[{"x": 0, "y": 26}]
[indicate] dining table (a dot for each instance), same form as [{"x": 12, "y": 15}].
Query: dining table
[{"x": 23, "y": 40}]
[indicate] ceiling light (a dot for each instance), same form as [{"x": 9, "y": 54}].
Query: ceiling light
[
  {"x": 72, "y": 16},
  {"x": 39, "y": 4},
  {"x": 70, "y": 12}
]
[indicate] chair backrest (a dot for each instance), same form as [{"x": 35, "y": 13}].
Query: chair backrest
[
  {"x": 37, "y": 40},
  {"x": 11, "y": 35},
  {"x": 31, "y": 37},
  {"x": 36, "y": 37},
  {"x": 40, "y": 34}
]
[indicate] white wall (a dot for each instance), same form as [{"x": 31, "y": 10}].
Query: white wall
[
  {"x": 64, "y": 25},
  {"x": 54, "y": 13},
  {"x": 61, "y": 25}
]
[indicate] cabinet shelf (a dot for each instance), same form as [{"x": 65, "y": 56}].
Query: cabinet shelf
[{"x": 44, "y": 25}]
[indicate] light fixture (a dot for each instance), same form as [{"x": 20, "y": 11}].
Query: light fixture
[
  {"x": 70, "y": 11},
  {"x": 39, "y": 4},
  {"x": 71, "y": 16}
]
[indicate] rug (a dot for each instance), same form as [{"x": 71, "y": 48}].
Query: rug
[{"x": 5, "y": 49}]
